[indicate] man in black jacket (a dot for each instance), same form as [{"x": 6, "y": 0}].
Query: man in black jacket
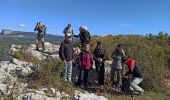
[
  {"x": 84, "y": 35},
  {"x": 66, "y": 55},
  {"x": 99, "y": 57}
]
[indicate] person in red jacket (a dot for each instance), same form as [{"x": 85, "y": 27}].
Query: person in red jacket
[
  {"x": 135, "y": 74},
  {"x": 86, "y": 63}
]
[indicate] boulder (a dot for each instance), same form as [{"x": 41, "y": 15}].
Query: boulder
[
  {"x": 3, "y": 88},
  {"x": 87, "y": 96}
]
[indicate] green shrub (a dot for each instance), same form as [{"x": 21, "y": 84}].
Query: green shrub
[
  {"x": 17, "y": 54},
  {"x": 152, "y": 54}
]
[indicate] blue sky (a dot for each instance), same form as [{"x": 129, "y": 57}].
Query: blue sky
[{"x": 102, "y": 17}]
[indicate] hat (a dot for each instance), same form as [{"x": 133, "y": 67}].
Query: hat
[
  {"x": 68, "y": 35},
  {"x": 84, "y": 27}
]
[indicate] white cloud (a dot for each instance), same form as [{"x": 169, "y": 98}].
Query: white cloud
[
  {"x": 22, "y": 26},
  {"x": 125, "y": 25}
]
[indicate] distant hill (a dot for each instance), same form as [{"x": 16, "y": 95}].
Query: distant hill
[{"x": 8, "y": 37}]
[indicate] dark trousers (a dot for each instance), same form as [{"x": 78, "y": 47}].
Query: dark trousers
[
  {"x": 116, "y": 76},
  {"x": 83, "y": 72},
  {"x": 100, "y": 72}
]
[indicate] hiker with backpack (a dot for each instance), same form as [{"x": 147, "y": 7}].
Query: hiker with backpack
[
  {"x": 41, "y": 28},
  {"x": 99, "y": 58},
  {"x": 68, "y": 29},
  {"x": 66, "y": 55},
  {"x": 86, "y": 63},
  {"x": 84, "y": 35},
  {"x": 116, "y": 67},
  {"x": 134, "y": 74}
]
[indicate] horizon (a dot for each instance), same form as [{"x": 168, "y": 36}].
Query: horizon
[{"x": 102, "y": 17}]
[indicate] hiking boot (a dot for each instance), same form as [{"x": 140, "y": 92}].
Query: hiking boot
[
  {"x": 37, "y": 49},
  {"x": 141, "y": 92}
]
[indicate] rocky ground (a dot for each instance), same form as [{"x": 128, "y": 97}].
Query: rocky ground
[{"x": 14, "y": 68}]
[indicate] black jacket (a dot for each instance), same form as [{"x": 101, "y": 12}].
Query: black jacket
[
  {"x": 66, "y": 51},
  {"x": 84, "y": 37},
  {"x": 136, "y": 71},
  {"x": 99, "y": 53}
]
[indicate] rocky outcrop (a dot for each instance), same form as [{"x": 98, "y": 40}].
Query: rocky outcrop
[
  {"x": 51, "y": 51},
  {"x": 14, "y": 68},
  {"x": 6, "y": 31},
  {"x": 11, "y": 70},
  {"x": 87, "y": 96},
  {"x": 41, "y": 95}
]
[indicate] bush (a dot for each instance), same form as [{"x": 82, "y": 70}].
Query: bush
[
  {"x": 152, "y": 54},
  {"x": 17, "y": 54},
  {"x": 49, "y": 75}
]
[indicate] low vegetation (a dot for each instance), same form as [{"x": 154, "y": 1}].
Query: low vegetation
[{"x": 152, "y": 52}]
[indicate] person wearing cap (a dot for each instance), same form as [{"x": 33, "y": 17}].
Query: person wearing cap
[
  {"x": 66, "y": 55},
  {"x": 134, "y": 74},
  {"x": 99, "y": 56},
  {"x": 117, "y": 65},
  {"x": 84, "y": 35},
  {"x": 68, "y": 29},
  {"x": 41, "y": 28}
]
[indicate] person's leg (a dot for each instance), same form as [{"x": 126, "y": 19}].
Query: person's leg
[
  {"x": 43, "y": 43},
  {"x": 69, "y": 71},
  {"x": 101, "y": 77},
  {"x": 65, "y": 72},
  {"x": 85, "y": 77},
  {"x": 37, "y": 42},
  {"x": 119, "y": 78},
  {"x": 113, "y": 73},
  {"x": 134, "y": 84},
  {"x": 103, "y": 74},
  {"x": 97, "y": 70},
  {"x": 79, "y": 78}
]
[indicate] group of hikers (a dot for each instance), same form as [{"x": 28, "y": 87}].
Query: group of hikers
[{"x": 84, "y": 59}]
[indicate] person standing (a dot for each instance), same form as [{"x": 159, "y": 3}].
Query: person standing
[
  {"x": 117, "y": 64},
  {"x": 86, "y": 63},
  {"x": 68, "y": 29},
  {"x": 84, "y": 35},
  {"x": 41, "y": 28},
  {"x": 66, "y": 55},
  {"x": 99, "y": 58}
]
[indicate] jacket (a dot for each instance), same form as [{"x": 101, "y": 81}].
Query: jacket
[
  {"x": 86, "y": 60},
  {"x": 66, "y": 51},
  {"x": 134, "y": 69},
  {"x": 99, "y": 53},
  {"x": 41, "y": 31},
  {"x": 84, "y": 37}
]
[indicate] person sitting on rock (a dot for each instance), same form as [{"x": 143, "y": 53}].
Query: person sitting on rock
[
  {"x": 41, "y": 34},
  {"x": 84, "y": 35},
  {"x": 86, "y": 63},
  {"x": 66, "y": 55},
  {"x": 99, "y": 58},
  {"x": 135, "y": 74}
]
